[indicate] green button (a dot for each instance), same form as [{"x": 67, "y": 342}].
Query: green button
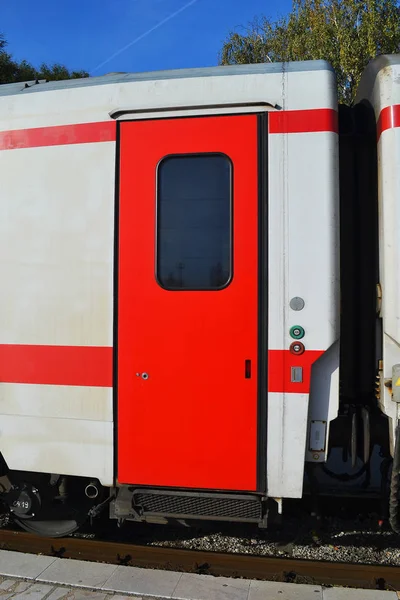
[{"x": 297, "y": 332}]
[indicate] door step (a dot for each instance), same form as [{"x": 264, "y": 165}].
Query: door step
[{"x": 140, "y": 504}]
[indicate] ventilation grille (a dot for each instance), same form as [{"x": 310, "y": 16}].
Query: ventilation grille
[{"x": 221, "y": 507}]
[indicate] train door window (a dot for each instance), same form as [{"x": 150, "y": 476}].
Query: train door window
[{"x": 194, "y": 222}]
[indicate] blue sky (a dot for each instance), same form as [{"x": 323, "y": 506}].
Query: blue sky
[{"x": 83, "y": 34}]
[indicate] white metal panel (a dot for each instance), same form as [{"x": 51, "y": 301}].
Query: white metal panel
[
  {"x": 313, "y": 237},
  {"x": 303, "y": 238},
  {"x": 380, "y": 83},
  {"x": 306, "y": 90},
  {"x": 278, "y": 214},
  {"x": 389, "y": 261},
  {"x": 324, "y": 398},
  {"x": 389, "y": 210},
  {"x": 56, "y": 245},
  {"x": 56, "y": 265},
  {"x": 64, "y": 446},
  {"x": 287, "y": 429},
  {"x": 56, "y": 401},
  {"x": 303, "y": 262},
  {"x": 90, "y": 104}
]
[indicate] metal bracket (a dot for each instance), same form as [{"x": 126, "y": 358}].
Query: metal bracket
[{"x": 98, "y": 508}]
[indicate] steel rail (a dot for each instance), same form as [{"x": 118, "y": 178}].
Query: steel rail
[{"x": 212, "y": 563}]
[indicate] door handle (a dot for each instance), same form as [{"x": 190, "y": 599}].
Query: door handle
[{"x": 247, "y": 369}]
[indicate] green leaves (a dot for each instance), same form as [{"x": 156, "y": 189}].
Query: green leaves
[
  {"x": 58, "y": 72},
  {"x": 12, "y": 71},
  {"x": 347, "y": 33}
]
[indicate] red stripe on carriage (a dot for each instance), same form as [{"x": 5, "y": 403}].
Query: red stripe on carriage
[
  {"x": 56, "y": 365},
  {"x": 290, "y": 121},
  {"x": 60, "y": 135},
  {"x": 304, "y": 121},
  {"x": 93, "y": 366},
  {"x": 280, "y": 363},
  {"x": 388, "y": 119}
]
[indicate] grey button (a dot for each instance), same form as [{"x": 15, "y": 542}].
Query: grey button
[{"x": 297, "y": 303}]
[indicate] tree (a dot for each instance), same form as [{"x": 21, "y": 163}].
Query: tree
[
  {"x": 12, "y": 71},
  {"x": 347, "y": 33}
]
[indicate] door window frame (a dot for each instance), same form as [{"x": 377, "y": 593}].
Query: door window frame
[{"x": 231, "y": 216}]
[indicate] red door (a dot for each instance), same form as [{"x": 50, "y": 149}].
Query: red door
[{"x": 188, "y": 303}]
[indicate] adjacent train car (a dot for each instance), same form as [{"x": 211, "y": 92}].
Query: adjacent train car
[
  {"x": 169, "y": 316},
  {"x": 378, "y": 90}
]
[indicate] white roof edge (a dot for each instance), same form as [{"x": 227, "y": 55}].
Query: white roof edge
[
  {"x": 371, "y": 73},
  {"x": 220, "y": 71}
]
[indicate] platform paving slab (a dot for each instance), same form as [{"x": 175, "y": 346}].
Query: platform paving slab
[
  {"x": 12, "y": 564},
  {"x": 78, "y": 594},
  {"x": 204, "y": 587},
  {"x": 16, "y": 589},
  {"x": 263, "y": 590},
  {"x": 149, "y": 582},
  {"x": 353, "y": 594},
  {"x": 9, "y": 587},
  {"x": 36, "y": 591},
  {"x": 59, "y": 593},
  {"x": 77, "y": 573},
  {"x": 6, "y": 584}
]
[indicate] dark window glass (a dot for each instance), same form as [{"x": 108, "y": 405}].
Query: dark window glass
[{"x": 194, "y": 222}]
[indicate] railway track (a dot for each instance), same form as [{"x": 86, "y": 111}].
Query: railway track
[{"x": 212, "y": 563}]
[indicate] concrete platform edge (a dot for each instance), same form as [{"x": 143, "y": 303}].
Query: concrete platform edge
[{"x": 151, "y": 583}]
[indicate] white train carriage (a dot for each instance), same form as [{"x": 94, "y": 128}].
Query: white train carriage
[{"x": 169, "y": 330}]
